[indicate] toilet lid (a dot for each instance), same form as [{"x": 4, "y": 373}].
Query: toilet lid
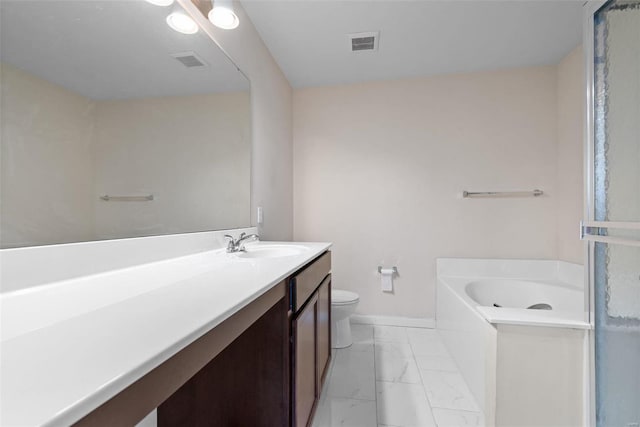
[{"x": 340, "y": 297}]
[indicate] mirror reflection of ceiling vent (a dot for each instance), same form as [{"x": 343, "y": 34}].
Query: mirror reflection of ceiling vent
[
  {"x": 189, "y": 59},
  {"x": 364, "y": 42}
]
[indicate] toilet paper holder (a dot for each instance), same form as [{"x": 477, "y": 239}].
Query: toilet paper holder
[{"x": 394, "y": 268}]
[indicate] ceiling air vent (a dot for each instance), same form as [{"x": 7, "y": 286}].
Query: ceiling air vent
[
  {"x": 364, "y": 42},
  {"x": 189, "y": 59}
]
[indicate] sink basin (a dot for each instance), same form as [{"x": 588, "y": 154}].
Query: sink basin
[{"x": 271, "y": 251}]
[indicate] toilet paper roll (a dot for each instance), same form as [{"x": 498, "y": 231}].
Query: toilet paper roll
[{"x": 386, "y": 275}]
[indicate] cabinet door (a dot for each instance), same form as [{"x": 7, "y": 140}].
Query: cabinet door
[
  {"x": 304, "y": 383},
  {"x": 324, "y": 330}
]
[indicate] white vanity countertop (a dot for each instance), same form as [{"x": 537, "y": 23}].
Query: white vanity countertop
[{"x": 70, "y": 346}]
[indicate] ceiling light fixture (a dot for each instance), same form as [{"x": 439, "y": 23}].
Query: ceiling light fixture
[
  {"x": 160, "y": 2},
  {"x": 222, "y": 15},
  {"x": 181, "y": 22}
]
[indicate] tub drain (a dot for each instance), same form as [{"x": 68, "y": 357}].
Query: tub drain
[{"x": 539, "y": 306}]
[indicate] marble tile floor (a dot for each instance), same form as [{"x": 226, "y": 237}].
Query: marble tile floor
[{"x": 395, "y": 377}]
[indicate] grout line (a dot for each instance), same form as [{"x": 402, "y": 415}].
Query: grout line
[
  {"x": 424, "y": 389},
  {"x": 325, "y": 388},
  {"x": 349, "y": 398},
  {"x": 375, "y": 362},
  {"x": 459, "y": 410},
  {"x": 457, "y": 371},
  {"x": 375, "y": 372}
]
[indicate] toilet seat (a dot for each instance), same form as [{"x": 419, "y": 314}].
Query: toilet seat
[{"x": 340, "y": 297}]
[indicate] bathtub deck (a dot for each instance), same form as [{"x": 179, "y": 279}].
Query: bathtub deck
[
  {"x": 395, "y": 376},
  {"x": 547, "y": 318}
]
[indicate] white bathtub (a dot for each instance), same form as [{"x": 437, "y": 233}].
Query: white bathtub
[
  {"x": 516, "y": 361},
  {"x": 525, "y": 294}
]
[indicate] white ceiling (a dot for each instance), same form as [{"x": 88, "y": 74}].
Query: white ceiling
[
  {"x": 308, "y": 38},
  {"x": 105, "y": 49}
]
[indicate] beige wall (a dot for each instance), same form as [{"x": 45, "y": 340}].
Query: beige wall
[
  {"x": 60, "y": 151},
  {"x": 379, "y": 169},
  {"x": 191, "y": 152},
  {"x": 271, "y": 103},
  {"x": 570, "y": 194},
  {"x": 271, "y": 178},
  {"x": 47, "y": 183}
]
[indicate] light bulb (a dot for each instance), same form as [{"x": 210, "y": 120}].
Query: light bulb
[
  {"x": 182, "y": 23},
  {"x": 223, "y": 17}
]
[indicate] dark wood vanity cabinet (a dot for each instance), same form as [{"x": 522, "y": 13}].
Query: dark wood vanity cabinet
[
  {"x": 324, "y": 330},
  {"x": 269, "y": 373},
  {"x": 305, "y": 387},
  {"x": 310, "y": 338}
]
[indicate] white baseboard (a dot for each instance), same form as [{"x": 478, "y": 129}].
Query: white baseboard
[{"x": 410, "y": 322}]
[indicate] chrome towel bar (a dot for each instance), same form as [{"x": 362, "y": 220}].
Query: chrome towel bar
[
  {"x": 108, "y": 198},
  {"x": 533, "y": 193}
]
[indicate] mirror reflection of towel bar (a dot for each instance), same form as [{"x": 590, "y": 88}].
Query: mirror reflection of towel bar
[
  {"x": 534, "y": 193},
  {"x": 108, "y": 198}
]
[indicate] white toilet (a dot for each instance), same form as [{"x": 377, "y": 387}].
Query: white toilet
[{"x": 343, "y": 304}]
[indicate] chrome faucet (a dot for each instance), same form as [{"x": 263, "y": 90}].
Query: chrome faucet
[{"x": 237, "y": 245}]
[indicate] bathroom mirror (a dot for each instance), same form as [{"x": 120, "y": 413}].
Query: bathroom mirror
[{"x": 115, "y": 125}]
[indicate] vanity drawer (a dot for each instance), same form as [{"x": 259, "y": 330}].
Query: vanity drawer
[{"x": 304, "y": 284}]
